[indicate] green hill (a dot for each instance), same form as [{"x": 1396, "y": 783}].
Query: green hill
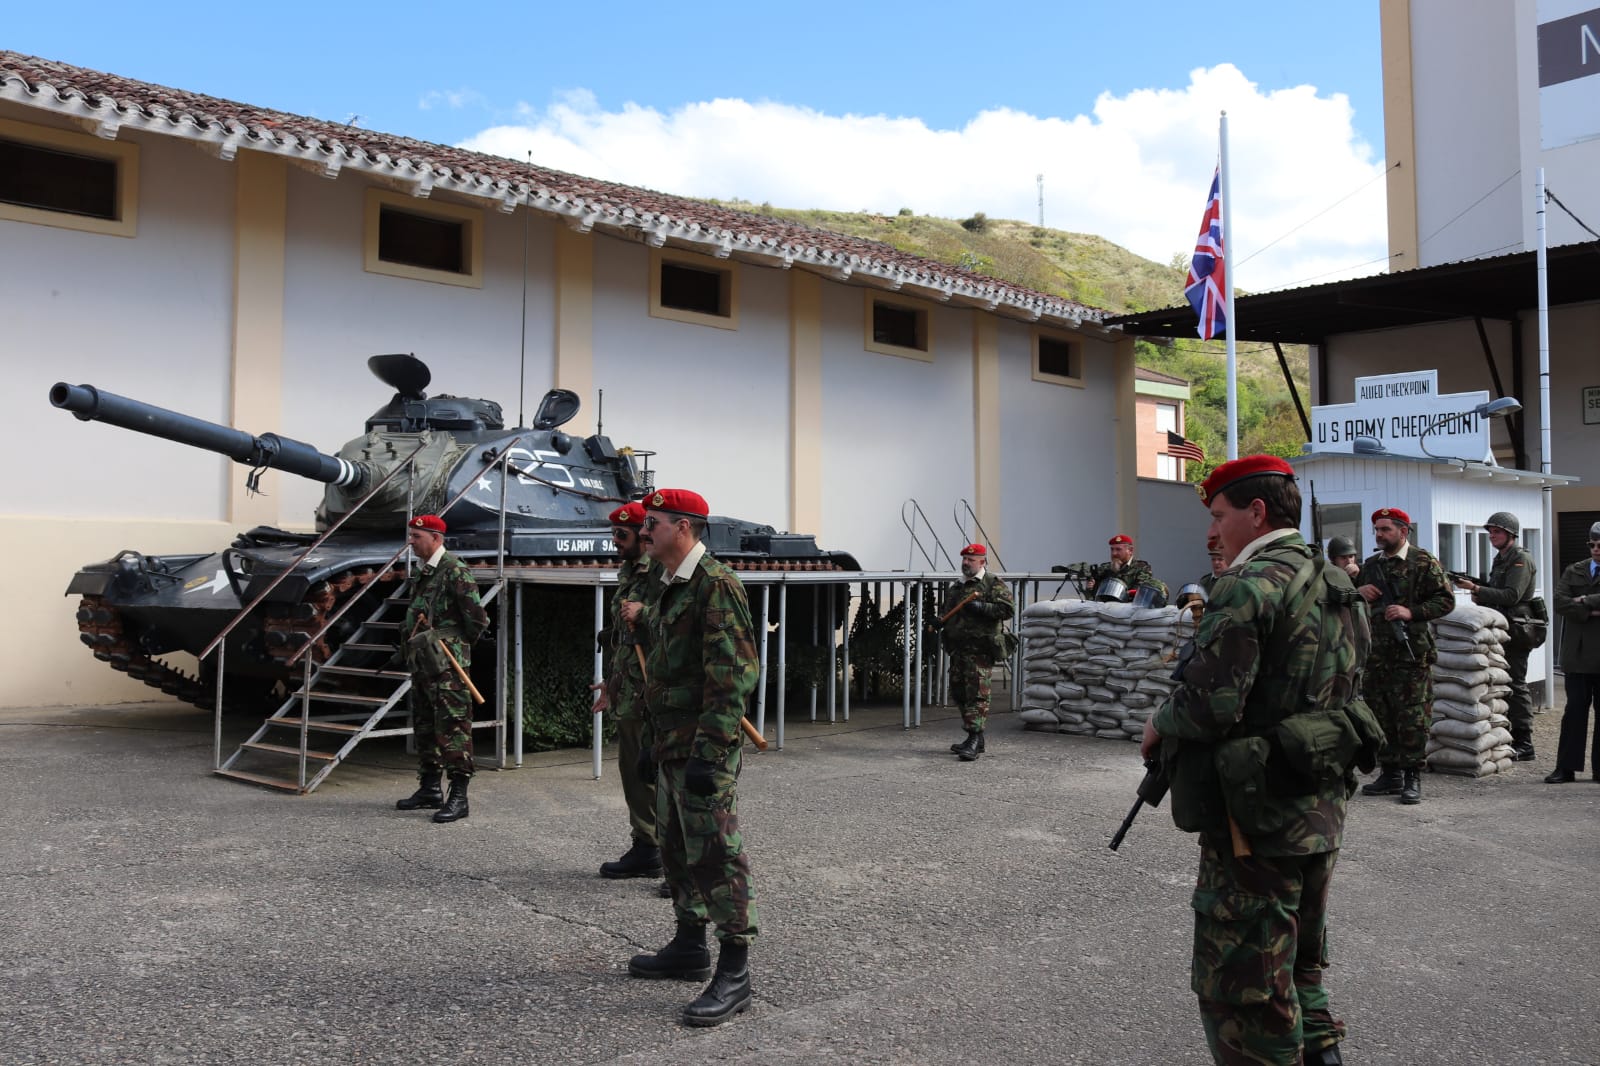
[{"x": 1091, "y": 270}]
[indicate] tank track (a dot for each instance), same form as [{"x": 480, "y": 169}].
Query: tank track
[{"x": 287, "y": 630}]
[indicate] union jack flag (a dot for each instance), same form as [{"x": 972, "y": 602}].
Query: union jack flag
[{"x": 1207, "y": 285}]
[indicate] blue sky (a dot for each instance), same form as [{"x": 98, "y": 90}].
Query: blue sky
[{"x": 880, "y": 105}]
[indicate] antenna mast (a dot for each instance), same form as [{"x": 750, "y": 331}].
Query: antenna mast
[
  {"x": 1040, "y": 180},
  {"x": 522, "y": 347}
]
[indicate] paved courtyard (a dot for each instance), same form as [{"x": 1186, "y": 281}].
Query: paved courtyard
[{"x": 913, "y": 910}]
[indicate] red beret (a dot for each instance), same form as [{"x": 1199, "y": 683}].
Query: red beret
[
  {"x": 975, "y": 549},
  {"x": 1393, "y": 514},
  {"x": 431, "y": 522},
  {"x": 1120, "y": 538},
  {"x": 1236, "y": 470},
  {"x": 679, "y": 501},
  {"x": 629, "y": 514}
]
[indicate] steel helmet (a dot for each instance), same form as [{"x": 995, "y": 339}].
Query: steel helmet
[
  {"x": 1340, "y": 546},
  {"x": 1506, "y": 521}
]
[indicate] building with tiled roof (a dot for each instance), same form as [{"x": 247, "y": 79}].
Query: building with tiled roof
[{"x": 240, "y": 264}]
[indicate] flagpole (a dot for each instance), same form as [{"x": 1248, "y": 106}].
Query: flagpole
[{"x": 1227, "y": 244}]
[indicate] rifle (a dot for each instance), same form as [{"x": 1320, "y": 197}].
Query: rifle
[
  {"x": 1459, "y": 575},
  {"x": 970, "y": 597},
  {"x": 1380, "y": 578},
  {"x": 1316, "y": 522},
  {"x": 1152, "y": 790}
]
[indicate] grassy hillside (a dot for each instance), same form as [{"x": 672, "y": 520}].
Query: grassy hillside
[{"x": 1093, "y": 271}]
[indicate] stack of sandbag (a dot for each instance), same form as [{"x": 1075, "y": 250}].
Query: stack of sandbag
[
  {"x": 1469, "y": 735},
  {"x": 1096, "y": 669}
]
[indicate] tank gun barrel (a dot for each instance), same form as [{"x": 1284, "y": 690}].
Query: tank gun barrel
[{"x": 89, "y": 404}]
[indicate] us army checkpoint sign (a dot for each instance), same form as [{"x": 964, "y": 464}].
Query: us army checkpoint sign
[{"x": 1408, "y": 416}]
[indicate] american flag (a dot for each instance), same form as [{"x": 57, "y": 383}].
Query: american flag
[
  {"x": 1179, "y": 448},
  {"x": 1207, "y": 285}
]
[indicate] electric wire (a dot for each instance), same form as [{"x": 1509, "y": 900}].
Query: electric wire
[
  {"x": 1556, "y": 200},
  {"x": 1469, "y": 207},
  {"x": 1381, "y": 174}
]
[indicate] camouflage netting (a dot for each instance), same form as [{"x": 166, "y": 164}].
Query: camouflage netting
[
  {"x": 1097, "y": 669},
  {"x": 1470, "y": 685},
  {"x": 380, "y": 452}
]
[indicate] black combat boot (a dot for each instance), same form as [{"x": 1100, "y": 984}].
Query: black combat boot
[
  {"x": 1388, "y": 783},
  {"x": 1411, "y": 791},
  {"x": 968, "y": 749},
  {"x": 729, "y": 991},
  {"x": 426, "y": 795},
  {"x": 643, "y": 859},
  {"x": 686, "y": 958},
  {"x": 1522, "y": 750},
  {"x": 955, "y": 749},
  {"x": 1324, "y": 1056},
  {"x": 456, "y": 806}
]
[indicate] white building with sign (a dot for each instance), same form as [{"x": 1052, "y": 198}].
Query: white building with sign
[{"x": 1404, "y": 444}]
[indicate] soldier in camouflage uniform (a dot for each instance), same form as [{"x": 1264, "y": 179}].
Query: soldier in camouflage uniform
[
  {"x": 702, "y": 669},
  {"x": 1278, "y": 654},
  {"x": 1405, "y": 589},
  {"x": 1513, "y": 581},
  {"x": 981, "y": 604},
  {"x": 445, "y": 613},
  {"x": 1134, "y": 573},
  {"x": 623, "y": 692}
]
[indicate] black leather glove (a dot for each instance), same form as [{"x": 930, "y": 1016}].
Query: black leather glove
[
  {"x": 937, "y": 625},
  {"x": 699, "y": 777},
  {"x": 646, "y": 765},
  {"x": 977, "y": 608}
]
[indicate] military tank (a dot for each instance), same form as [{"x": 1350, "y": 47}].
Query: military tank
[{"x": 550, "y": 510}]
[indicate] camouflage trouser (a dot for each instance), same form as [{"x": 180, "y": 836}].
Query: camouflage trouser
[
  {"x": 1401, "y": 696},
  {"x": 969, "y": 686},
  {"x": 441, "y": 715},
  {"x": 633, "y": 733},
  {"x": 702, "y": 852},
  {"x": 1260, "y": 946},
  {"x": 1519, "y": 705}
]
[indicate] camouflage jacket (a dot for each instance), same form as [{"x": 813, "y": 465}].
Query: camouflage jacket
[
  {"x": 1513, "y": 581},
  {"x": 448, "y": 596},
  {"x": 703, "y": 664},
  {"x": 639, "y": 581},
  {"x": 1136, "y": 574},
  {"x": 1417, "y": 582},
  {"x": 1252, "y": 668},
  {"x": 975, "y": 629}
]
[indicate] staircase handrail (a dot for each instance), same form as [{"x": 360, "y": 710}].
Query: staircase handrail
[
  {"x": 916, "y": 542},
  {"x": 982, "y": 533}
]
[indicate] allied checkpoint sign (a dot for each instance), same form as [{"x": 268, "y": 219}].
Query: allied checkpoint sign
[{"x": 1407, "y": 415}]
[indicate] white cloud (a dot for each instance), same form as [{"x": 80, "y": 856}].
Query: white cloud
[
  {"x": 455, "y": 99},
  {"x": 1135, "y": 171}
]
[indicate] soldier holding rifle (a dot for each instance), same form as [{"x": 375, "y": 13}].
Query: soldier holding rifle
[
  {"x": 445, "y": 618},
  {"x": 1511, "y": 589},
  {"x": 1259, "y": 740},
  {"x": 972, "y": 619},
  {"x": 1405, "y": 589}
]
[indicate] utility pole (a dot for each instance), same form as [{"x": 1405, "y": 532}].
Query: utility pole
[{"x": 1041, "y": 201}]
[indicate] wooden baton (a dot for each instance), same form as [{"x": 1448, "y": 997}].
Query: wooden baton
[
  {"x": 477, "y": 697},
  {"x": 749, "y": 730}
]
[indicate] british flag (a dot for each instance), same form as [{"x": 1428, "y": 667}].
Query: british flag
[{"x": 1207, "y": 285}]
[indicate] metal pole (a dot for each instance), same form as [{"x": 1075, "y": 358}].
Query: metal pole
[
  {"x": 502, "y": 620},
  {"x": 1227, "y": 251},
  {"x": 599, "y": 677},
  {"x": 305, "y": 718},
  {"x": 905, "y": 671},
  {"x": 216, "y": 727},
  {"x": 846, "y": 668},
  {"x": 761, "y": 684},
  {"x": 1547, "y": 549},
  {"x": 814, "y": 648},
  {"x": 783, "y": 655},
  {"x": 833, "y": 658},
  {"x": 517, "y": 688},
  {"x": 918, "y": 631}
]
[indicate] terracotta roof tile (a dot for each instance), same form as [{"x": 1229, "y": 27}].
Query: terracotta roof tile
[{"x": 109, "y": 101}]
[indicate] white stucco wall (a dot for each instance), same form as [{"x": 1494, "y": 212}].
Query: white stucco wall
[
  {"x": 1058, "y": 488},
  {"x": 336, "y": 315},
  {"x": 147, "y": 317},
  {"x": 1475, "y": 84},
  {"x": 712, "y": 403}
]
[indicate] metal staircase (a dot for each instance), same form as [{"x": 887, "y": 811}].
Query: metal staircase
[{"x": 345, "y": 699}]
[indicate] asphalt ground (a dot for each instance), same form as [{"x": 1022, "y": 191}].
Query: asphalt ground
[{"x": 913, "y": 909}]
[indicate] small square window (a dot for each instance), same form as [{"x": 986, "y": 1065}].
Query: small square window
[
  {"x": 1166, "y": 418},
  {"x": 697, "y": 289},
  {"x": 424, "y": 240},
  {"x": 1057, "y": 358},
  {"x": 55, "y": 177},
  {"x": 897, "y": 327},
  {"x": 1166, "y": 468}
]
